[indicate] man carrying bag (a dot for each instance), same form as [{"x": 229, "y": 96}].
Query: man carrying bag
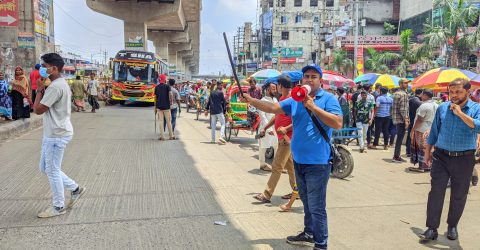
[{"x": 311, "y": 151}]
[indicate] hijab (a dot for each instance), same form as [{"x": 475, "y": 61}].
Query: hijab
[{"x": 20, "y": 83}]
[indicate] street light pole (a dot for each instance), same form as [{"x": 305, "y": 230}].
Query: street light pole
[{"x": 355, "y": 53}]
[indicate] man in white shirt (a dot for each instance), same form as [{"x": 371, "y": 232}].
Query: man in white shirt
[
  {"x": 55, "y": 105},
  {"x": 269, "y": 139},
  {"x": 92, "y": 90}
]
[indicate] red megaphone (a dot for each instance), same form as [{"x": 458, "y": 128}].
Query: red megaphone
[{"x": 300, "y": 92}]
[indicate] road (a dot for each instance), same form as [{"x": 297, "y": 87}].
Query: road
[{"x": 148, "y": 194}]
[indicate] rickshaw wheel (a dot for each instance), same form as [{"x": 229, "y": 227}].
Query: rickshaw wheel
[
  {"x": 228, "y": 131},
  {"x": 236, "y": 131}
]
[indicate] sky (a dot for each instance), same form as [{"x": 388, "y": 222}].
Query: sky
[{"x": 80, "y": 30}]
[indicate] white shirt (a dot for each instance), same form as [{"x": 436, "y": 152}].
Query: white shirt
[
  {"x": 93, "y": 86},
  {"x": 56, "y": 121}
]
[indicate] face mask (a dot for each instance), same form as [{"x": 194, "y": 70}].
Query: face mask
[{"x": 43, "y": 72}]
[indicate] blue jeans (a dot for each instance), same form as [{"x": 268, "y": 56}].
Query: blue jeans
[
  {"x": 51, "y": 165},
  {"x": 312, "y": 180},
  {"x": 174, "y": 119}
]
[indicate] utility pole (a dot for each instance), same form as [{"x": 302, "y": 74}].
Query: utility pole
[
  {"x": 355, "y": 57},
  {"x": 322, "y": 33}
]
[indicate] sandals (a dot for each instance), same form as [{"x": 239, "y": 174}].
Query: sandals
[
  {"x": 288, "y": 196},
  {"x": 261, "y": 198},
  {"x": 265, "y": 167}
]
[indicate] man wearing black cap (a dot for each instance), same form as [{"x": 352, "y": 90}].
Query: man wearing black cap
[{"x": 311, "y": 152}]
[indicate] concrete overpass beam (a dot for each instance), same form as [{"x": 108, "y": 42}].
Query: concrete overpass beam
[{"x": 135, "y": 36}]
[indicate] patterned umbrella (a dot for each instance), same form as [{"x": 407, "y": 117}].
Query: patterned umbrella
[
  {"x": 266, "y": 73},
  {"x": 386, "y": 80},
  {"x": 365, "y": 78},
  {"x": 337, "y": 80},
  {"x": 440, "y": 77},
  {"x": 476, "y": 81}
]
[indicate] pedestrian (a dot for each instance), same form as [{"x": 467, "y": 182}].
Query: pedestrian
[
  {"x": 217, "y": 107},
  {"x": 413, "y": 103},
  {"x": 377, "y": 91},
  {"x": 421, "y": 129},
  {"x": 269, "y": 138},
  {"x": 5, "y": 99},
  {"x": 283, "y": 156},
  {"x": 355, "y": 98},
  {"x": 364, "y": 117},
  {"x": 78, "y": 93},
  {"x": 163, "y": 103},
  {"x": 55, "y": 105},
  {"x": 453, "y": 137},
  {"x": 288, "y": 206},
  {"x": 34, "y": 77},
  {"x": 175, "y": 105},
  {"x": 21, "y": 98},
  {"x": 93, "y": 89},
  {"x": 400, "y": 117},
  {"x": 370, "y": 98},
  {"x": 345, "y": 105},
  {"x": 382, "y": 118},
  {"x": 311, "y": 152}
]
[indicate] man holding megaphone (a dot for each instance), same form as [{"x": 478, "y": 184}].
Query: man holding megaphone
[{"x": 311, "y": 152}]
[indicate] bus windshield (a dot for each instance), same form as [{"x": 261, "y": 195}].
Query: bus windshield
[{"x": 133, "y": 72}]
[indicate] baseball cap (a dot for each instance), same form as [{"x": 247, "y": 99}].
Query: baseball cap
[{"x": 314, "y": 67}]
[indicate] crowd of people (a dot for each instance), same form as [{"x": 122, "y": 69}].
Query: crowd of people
[{"x": 18, "y": 95}]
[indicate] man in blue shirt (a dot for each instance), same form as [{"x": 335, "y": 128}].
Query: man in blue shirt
[
  {"x": 310, "y": 151},
  {"x": 383, "y": 110},
  {"x": 453, "y": 136}
]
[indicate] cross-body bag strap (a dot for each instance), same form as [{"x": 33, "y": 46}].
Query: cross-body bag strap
[{"x": 319, "y": 127}]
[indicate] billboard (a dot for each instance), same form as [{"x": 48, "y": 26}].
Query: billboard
[
  {"x": 9, "y": 13},
  {"x": 26, "y": 40},
  {"x": 294, "y": 52},
  {"x": 41, "y": 10}
]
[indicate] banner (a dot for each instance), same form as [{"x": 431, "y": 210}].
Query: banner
[
  {"x": 136, "y": 42},
  {"x": 360, "y": 66},
  {"x": 294, "y": 52},
  {"x": 9, "y": 13},
  {"x": 26, "y": 40},
  {"x": 41, "y": 10}
]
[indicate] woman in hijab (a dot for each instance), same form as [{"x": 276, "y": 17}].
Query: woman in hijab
[
  {"x": 20, "y": 95},
  {"x": 5, "y": 100}
]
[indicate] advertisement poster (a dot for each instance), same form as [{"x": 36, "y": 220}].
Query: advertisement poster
[
  {"x": 26, "y": 40},
  {"x": 9, "y": 13},
  {"x": 294, "y": 52},
  {"x": 41, "y": 9}
]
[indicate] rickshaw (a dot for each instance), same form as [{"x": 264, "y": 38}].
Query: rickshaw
[{"x": 237, "y": 114}]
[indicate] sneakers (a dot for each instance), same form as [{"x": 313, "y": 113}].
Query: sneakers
[
  {"x": 302, "y": 239},
  {"x": 75, "y": 195},
  {"x": 398, "y": 160},
  {"x": 222, "y": 140},
  {"x": 52, "y": 212}
]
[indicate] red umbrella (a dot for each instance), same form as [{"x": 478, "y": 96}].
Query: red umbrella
[{"x": 337, "y": 80}]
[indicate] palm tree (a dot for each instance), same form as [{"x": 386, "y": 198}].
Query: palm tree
[
  {"x": 341, "y": 62},
  {"x": 457, "y": 17},
  {"x": 412, "y": 54},
  {"x": 377, "y": 61}
]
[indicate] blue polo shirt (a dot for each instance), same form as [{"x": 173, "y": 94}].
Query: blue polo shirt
[{"x": 308, "y": 145}]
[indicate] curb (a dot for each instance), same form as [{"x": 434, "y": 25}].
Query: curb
[{"x": 15, "y": 128}]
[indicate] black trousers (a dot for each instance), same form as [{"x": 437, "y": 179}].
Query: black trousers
[
  {"x": 381, "y": 126},
  {"x": 459, "y": 171},
  {"x": 400, "y": 134},
  {"x": 409, "y": 141}
]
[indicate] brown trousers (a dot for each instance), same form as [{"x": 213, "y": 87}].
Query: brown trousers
[{"x": 283, "y": 160}]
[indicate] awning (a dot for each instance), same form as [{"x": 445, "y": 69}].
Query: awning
[{"x": 378, "y": 47}]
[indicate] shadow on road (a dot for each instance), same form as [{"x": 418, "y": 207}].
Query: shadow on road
[{"x": 441, "y": 243}]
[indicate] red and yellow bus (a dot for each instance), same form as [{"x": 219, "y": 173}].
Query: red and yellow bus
[{"x": 135, "y": 75}]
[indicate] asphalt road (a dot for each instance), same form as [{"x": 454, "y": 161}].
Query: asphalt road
[{"x": 148, "y": 194}]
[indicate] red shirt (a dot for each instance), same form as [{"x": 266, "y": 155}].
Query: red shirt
[
  {"x": 282, "y": 120},
  {"x": 34, "y": 76}
]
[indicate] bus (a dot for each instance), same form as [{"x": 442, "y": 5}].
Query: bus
[{"x": 135, "y": 75}]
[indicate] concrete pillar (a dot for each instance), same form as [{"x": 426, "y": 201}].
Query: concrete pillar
[
  {"x": 135, "y": 35},
  {"x": 161, "y": 40}
]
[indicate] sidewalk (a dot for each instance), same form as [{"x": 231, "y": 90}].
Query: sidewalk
[{"x": 10, "y": 129}]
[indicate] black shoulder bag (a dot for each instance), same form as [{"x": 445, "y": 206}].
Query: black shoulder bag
[{"x": 335, "y": 157}]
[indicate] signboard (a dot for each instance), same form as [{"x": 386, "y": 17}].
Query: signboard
[
  {"x": 267, "y": 65},
  {"x": 41, "y": 10},
  {"x": 291, "y": 60},
  {"x": 135, "y": 55},
  {"x": 252, "y": 67},
  {"x": 136, "y": 42},
  {"x": 294, "y": 52},
  {"x": 9, "y": 13},
  {"x": 26, "y": 40},
  {"x": 370, "y": 40}
]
